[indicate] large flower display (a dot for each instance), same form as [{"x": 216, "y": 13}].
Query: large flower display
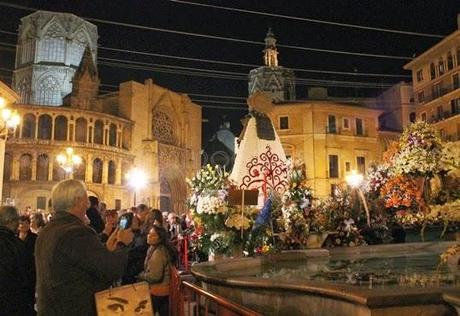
[
  {"x": 296, "y": 201},
  {"x": 218, "y": 225},
  {"x": 420, "y": 151}
]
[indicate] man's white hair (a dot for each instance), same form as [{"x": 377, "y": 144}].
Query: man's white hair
[{"x": 66, "y": 193}]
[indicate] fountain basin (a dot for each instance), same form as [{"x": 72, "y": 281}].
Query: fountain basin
[{"x": 395, "y": 279}]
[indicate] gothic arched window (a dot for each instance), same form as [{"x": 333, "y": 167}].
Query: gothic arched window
[
  {"x": 44, "y": 126},
  {"x": 112, "y": 172},
  {"x": 28, "y": 126},
  {"x": 97, "y": 170},
  {"x": 24, "y": 90},
  {"x": 79, "y": 172},
  {"x": 8, "y": 167},
  {"x": 78, "y": 46},
  {"x": 163, "y": 128},
  {"x": 113, "y": 135},
  {"x": 98, "y": 132},
  {"x": 48, "y": 91},
  {"x": 60, "y": 128},
  {"x": 25, "y": 167},
  {"x": 432, "y": 71},
  {"x": 81, "y": 130},
  {"x": 53, "y": 44},
  {"x": 42, "y": 167},
  {"x": 27, "y": 48}
]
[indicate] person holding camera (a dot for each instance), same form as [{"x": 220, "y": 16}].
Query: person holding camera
[{"x": 72, "y": 263}]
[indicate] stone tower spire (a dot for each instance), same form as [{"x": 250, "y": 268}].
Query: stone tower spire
[
  {"x": 270, "y": 51},
  {"x": 277, "y": 81},
  {"x": 85, "y": 83}
]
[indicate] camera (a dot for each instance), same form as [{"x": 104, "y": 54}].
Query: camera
[{"x": 125, "y": 221}]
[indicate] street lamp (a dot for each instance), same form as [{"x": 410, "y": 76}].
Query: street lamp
[
  {"x": 68, "y": 160},
  {"x": 355, "y": 179},
  {"x": 137, "y": 179},
  {"x": 9, "y": 121}
]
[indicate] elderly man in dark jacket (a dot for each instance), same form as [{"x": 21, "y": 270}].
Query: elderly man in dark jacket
[
  {"x": 15, "y": 281},
  {"x": 72, "y": 264}
]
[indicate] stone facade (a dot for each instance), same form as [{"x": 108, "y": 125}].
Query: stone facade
[
  {"x": 436, "y": 83},
  {"x": 140, "y": 125},
  {"x": 278, "y": 81},
  {"x": 50, "y": 48},
  {"x": 332, "y": 137}
]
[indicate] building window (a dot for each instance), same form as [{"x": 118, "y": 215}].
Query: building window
[
  {"x": 42, "y": 167},
  {"x": 359, "y": 127},
  {"x": 163, "y": 128},
  {"x": 48, "y": 91},
  {"x": 432, "y": 71},
  {"x": 458, "y": 56},
  {"x": 346, "y": 123},
  {"x": 98, "y": 132},
  {"x": 436, "y": 90},
  {"x": 361, "y": 164},
  {"x": 113, "y": 135},
  {"x": 24, "y": 90},
  {"x": 80, "y": 130},
  {"x": 60, "y": 128},
  {"x": 441, "y": 66},
  {"x": 53, "y": 44},
  {"x": 420, "y": 75},
  {"x": 347, "y": 166},
  {"x": 423, "y": 116},
  {"x": 44, "y": 126},
  {"x": 28, "y": 126},
  {"x": 117, "y": 204},
  {"x": 112, "y": 172},
  {"x": 284, "y": 122},
  {"x": 331, "y": 126},
  {"x": 334, "y": 189},
  {"x": 97, "y": 170},
  {"x": 450, "y": 61},
  {"x": 455, "y": 106},
  {"x": 421, "y": 97},
  {"x": 439, "y": 112},
  {"x": 412, "y": 117},
  {"x": 25, "y": 167},
  {"x": 333, "y": 166},
  {"x": 456, "y": 81},
  {"x": 41, "y": 202},
  {"x": 58, "y": 172}
]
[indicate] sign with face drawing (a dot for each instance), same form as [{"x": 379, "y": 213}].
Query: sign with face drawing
[{"x": 132, "y": 299}]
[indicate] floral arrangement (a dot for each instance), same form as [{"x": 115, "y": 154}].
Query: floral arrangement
[
  {"x": 407, "y": 218},
  {"x": 296, "y": 202},
  {"x": 337, "y": 216},
  {"x": 400, "y": 192},
  {"x": 377, "y": 176},
  {"x": 420, "y": 151},
  {"x": 218, "y": 225}
]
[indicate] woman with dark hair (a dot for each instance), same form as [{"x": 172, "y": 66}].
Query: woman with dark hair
[
  {"x": 37, "y": 222},
  {"x": 160, "y": 257}
]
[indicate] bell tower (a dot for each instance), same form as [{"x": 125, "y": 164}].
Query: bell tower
[{"x": 278, "y": 81}]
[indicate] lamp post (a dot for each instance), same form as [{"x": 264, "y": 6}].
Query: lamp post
[
  {"x": 68, "y": 161},
  {"x": 137, "y": 179},
  {"x": 9, "y": 121},
  {"x": 355, "y": 179}
]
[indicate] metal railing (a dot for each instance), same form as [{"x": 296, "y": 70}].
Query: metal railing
[{"x": 188, "y": 299}]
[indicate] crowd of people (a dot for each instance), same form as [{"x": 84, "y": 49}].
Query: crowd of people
[{"x": 53, "y": 264}]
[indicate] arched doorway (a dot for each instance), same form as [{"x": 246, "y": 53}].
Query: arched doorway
[{"x": 173, "y": 190}]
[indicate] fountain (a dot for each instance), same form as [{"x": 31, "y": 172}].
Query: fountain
[{"x": 396, "y": 279}]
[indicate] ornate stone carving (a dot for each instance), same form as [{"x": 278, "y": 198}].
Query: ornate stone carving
[
  {"x": 163, "y": 128},
  {"x": 171, "y": 156}
]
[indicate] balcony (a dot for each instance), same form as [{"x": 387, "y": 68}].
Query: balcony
[
  {"x": 442, "y": 117},
  {"x": 433, "y": 95},
  {"x": 348, "y": 132}
]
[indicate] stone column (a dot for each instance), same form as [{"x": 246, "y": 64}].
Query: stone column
[
  {"x": 89, "y": 169},
  {"x": 34, "y": 166},
  {"x": 105, "y": 171},
  {"x": 36, "y": 127},
  {"x": 118, "y": 175},
  {"x": 51, "y": 166},
  {"x": 15, "y": 171}
]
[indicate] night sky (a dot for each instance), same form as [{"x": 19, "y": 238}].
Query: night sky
[{"x": 199, "y": 78}]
